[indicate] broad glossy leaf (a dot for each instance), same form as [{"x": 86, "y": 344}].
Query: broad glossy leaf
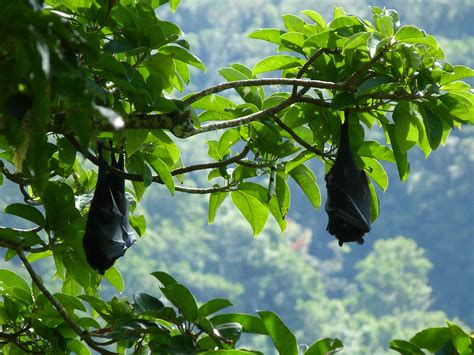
[
  {"x": 401, "y": 158},
  {"x": 215, "y": 200},
  {"x": 139, "y": 224},
  {"x": 179, "y": 53},
  {"x": 282, "y": 338},
  {"x": 115, "y": 278},
  {"x": 324, "y": 346},
  {"x": 164, "y": 278},
  {"x": 213, "y": 306},
  {"x": 376, "y": 85},
  {"x": 182, "y": 298},
  {"x": 376, "y": 172},
  {"x": 461, "y": 340},
  {"x": 458, "y": 72},
  {"x": 306, "y": 180},
  {"x": 373, "y": 149},
  {"x": 10, "y": 279},
  {"x": 277, "y": 62},
  {"x": 27, "y": 212},
  {"x": 406, "y": 348},
  {"x": 433, "y": 124},
  {"x": 316, "y": 17},
  {"x": 431, "y": 339},
  {"x": 254, "y": 211},
  {"x": 227, "y": 140},
  {"x": 145, "y": 302},
  {"x": 298, "y": 160},
  {"x": 357, "y": 40},
  {"x": 161, "y": 168},
  {"x": 214, "y": 102},
  {"x": 293, "y": 23},
  {"x": 250, "y": 324},
  {"x": 135, "y": 139},
  {"x": 406, "y": 128},
  {"x": 267, "y": 34}
]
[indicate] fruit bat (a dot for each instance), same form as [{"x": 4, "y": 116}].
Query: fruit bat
[
  {"x": 348, "y": 200},
  {"x": 108, "y": 231}
]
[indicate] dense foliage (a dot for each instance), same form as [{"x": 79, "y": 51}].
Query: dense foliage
[{"x": 75, "y": 71}]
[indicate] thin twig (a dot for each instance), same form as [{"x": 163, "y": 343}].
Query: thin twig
[
  {"x": 305, "y": 67},
  {"x": 298, "y": 139},
  {"x": 59, "y": 307},
  {"x": 212, "y": 165}
]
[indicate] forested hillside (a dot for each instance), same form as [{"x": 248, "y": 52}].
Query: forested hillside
[{"x": 415, "y": 269}]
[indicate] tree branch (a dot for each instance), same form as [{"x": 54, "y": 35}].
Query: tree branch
[
  {"x": 58, "y": 306},
  {"x": 265, "y": 81},
  {"x": 249, "y": 118}
]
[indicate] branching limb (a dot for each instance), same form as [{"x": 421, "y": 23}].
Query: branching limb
[{"x": 58, "y": 306}]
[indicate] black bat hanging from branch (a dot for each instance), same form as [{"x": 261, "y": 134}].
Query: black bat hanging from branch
[
  {"x": 108, "y": 231},
  {"x": 348, "y": 200}
]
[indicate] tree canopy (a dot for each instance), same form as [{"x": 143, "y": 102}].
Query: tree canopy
[{"x": 77, "y": 72}]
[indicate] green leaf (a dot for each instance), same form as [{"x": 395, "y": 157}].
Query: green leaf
[
  {"x": 375, "y": 85},
  {"x": 356, "y": 40},
  {"x": 215, "y": 200},
  {"x": 179, "y": 53},
  {"x": 135, "y": 139},
  {"x": 324, "y": 346},
  {"x": 408, "y": 32},
  {"x": 254, "y": 211},
  {"x": 145, "y": 302},
  {"x": 306, "y": 180},
  {"x": 406, "y": 129},
  {"x": 459, "y": 72},
  {"x": 10, "y": 279},
  {"x": 164, "y": 141},
  {"x": 267, "y": 34},
  {"x": 164, "y": 278},
  {"x": 401, "y": 157},
  {"x": 461, "y": 340},
  {"x": 293, "y": 23},
  {"x": 70, "y": 302},
  {"x": 374, "y": 203},
  {"x": 227, "y": 140},
  {"x": 298, "y": 160},
  {"x": 316, "y": 17},
  {"x": 376, "y": 172},
  {"x": 174, "y": 5},
  {"x": 27, "y": 212},
  {"x": 215, "y": 103},
  {"x": 433, "y": 124},
  {"x": 373, "y": 149},
  {"x": 431, "y": 339},
  {"x": 161, "y": 168},
  {"x": 406, "y": 348},
  {"x": 284, "y": 340},
  {"x": 182, "y": 298},
  {"x": 250, "y": 324},
  {"x": 139, "y": 224},
  {"x": 115, "y": 278},
  {"x": 277, "y": 62},
  {"x": 213, "y": 306}
]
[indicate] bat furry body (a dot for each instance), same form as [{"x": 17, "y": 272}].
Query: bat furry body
[
  {"x": 348, "y": 201},
  {"x": 108, "y": 231}
]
